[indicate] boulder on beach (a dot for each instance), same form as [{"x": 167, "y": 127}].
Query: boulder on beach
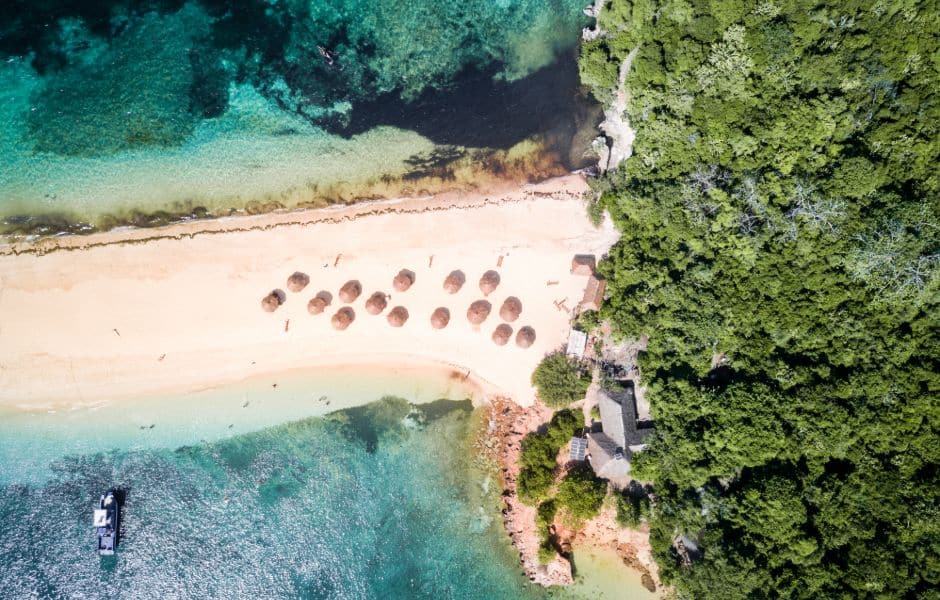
[
  {"x": 376, "y": 303},
  {"x": 397, "y": 316},
  {"x": 350, "y": 291},
  {"x": 489, "y": 282},
  {"x": 501, "y": 334},
  {"x": 297, "y": 281},
  {"x": 479, "y": 311},
  {"x": 343, "y": 317},
  {"x": 273, "y": 300},
  {"x": 454, "y": 281},
  {"x": 440, "y": 318},
  {"x": 404, "y": 280},
  {"x": 511, "y": 309}
]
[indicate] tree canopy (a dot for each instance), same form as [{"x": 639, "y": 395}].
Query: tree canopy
[
  {"x": 559, "y": 381},
  {"x": 781, "y": 245}
]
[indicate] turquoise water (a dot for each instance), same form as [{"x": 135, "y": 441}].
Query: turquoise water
[
  {"x": 371, "y": 502},
  {"x": 147, "y": 112}
]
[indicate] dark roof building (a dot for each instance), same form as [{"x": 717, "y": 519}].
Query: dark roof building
[
  {"x": 611, "y": 449},
  {"x": 578, "y": 449}
]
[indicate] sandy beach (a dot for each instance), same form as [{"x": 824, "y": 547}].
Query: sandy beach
[{"x": 140, "y": 312}]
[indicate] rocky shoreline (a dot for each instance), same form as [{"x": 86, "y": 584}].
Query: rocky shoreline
[{"x": 507, "y": 424}]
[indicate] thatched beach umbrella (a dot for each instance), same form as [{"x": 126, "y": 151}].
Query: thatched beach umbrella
[
  {"x": 511, "y": 309},
  {"x": 440, "y": 318},
  {"x": 454, "y": 281},
  {"x": 376, "y": 303},
  {"x": 350, "y": 291},
  {"x": 319, "y": 302},
  {"x": 273, "y": 300},
  {"x": 343, "y": 318},
  {"x": 525, "y": 337},
  {"x": 502, "y": 334},
  {"x": 479, "y": 311},
  {"x": 298, "y": 281},
  {"x": 404, "y": 280},
  {"x": 397, "y": 316},
  {"x": 489, "y": 282}
]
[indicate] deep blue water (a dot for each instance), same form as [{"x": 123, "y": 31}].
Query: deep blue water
[{"x": 382, "y": 501}]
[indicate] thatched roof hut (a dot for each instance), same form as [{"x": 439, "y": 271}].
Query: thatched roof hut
[
  {"x": 479, "y": 311},
  {"x": 440, "y": 318},
  {"x": 489, "y": 282},
  {"x": 343, "y": 318},
  {"x": 376, "y": 303},
  {"x": 501, "y": 334},
  {"x": 319, "y": 302},
  {"x": 404, "y": 280},
  {"x": 454, "y": 281},
  {"x": 525, "y": 337},
  {"x": 350, "y": 291},
  {"x": 273, "y": 300},
  {"x": 583, "y": 264},
  {"x": 511, "y": 309},
  {"x": 298, "y": 281},
  {"x": 593, "y": 293},
  {"x": 397, "y": 316}
]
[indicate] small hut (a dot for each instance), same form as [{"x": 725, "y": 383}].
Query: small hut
[
  {"x": 489, "y": 282},
  {"x": 404, "y": 280},
  {"x": 525, "y": 337},
  {"x": 479, "y": 311},
  {"x": 511, "y": 309},
  {"x": 273, "y": 300},
  {"x": 319, "y": 302},
  {"x": 440, "y": 318},
  {"x": 350, "y": 291},
  {"x": 501, "y": 334},
  {"x": 454, "y": 281},
  {"x": 397, "y": 316},
  {"x": 343, "y": 318},
  {"x": 593, "y": 293},
  {"x": 376, "y": 303},
  {"x": 298, "y": 281},
  {"x": 583, "y": 264}
]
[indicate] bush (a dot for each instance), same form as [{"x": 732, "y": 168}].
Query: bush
[
  {"x": 547, "y": 553},
  {"x": 559, "y": 380},
  {"x": 537, "y": 460},
  {"x": 581, "y": 494},
  {"x": 633, "y": 506},
  {"x": 544, "y": 517}
]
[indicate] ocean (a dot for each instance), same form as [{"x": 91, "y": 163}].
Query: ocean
[
  {"x": 384, "y": 500},
  {"x": 147, "y": 112}
]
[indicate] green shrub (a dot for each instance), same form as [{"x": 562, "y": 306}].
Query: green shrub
[
  {"x": 633, "y": 506},
  {"x": 581, "y": 494},
  {"x": 544, "y": 517},
  {"x": 547, "y": 553},
  {"x": 537, "y": 459},
  {"x": 559, "y": 380}
]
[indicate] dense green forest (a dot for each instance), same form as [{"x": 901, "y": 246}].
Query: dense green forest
[{"x": 781, "y": 248}]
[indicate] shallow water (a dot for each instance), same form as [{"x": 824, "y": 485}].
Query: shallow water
[
  {"x": 147, "y": 112},
  {"x": 240, "y": 492}
]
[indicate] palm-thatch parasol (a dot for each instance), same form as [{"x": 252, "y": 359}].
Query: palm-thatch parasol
[
  {"x": 440, "y": 318},
  {"x": 273, "y": 300},
  {"x": 525, "y": 337},
  {"x": 319, "y": 302},
  {"x": 376, "y": 303},
  {"x": 501, "y": 334},
  {"x": 343, "y": 318},
  {"x": 350, "y": 291},
  {"x": 489, "y": 282},
  {"x": 454, "y": 281},
  {"x": 298, "y": 281},
  {"x": 479, "y": 311},
  {"x": 404, "y": 280},
  {"x": 511, "y": 309},
  {"x": 397, "y": 316}
]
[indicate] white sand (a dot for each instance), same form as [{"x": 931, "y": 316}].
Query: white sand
[{"x": 91, "y": 325}]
